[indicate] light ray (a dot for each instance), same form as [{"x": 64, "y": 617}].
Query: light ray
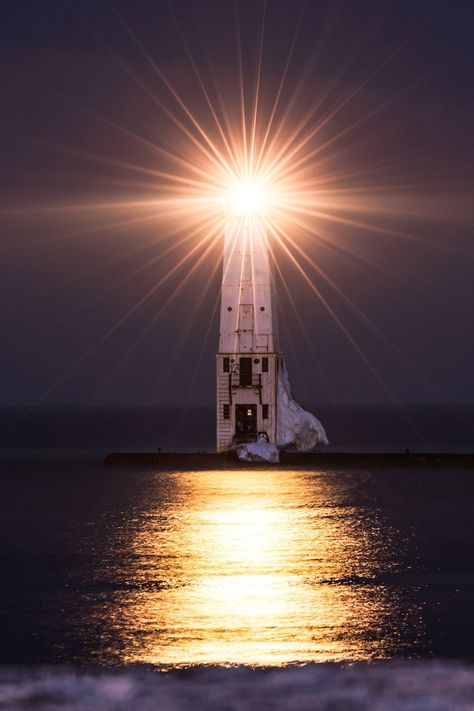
[
  {"x": 281, "y": 84},
  {"x": 229, "y": 151},
  {"x": 299, "y": 159},
  {"x": 213, "y": 238},
  {"x": 306, "y": 119},
  {"x": 300, "y": 321},
  {"x": 207, "y": 334},
  {"x": 213, "y": 155},
  {"x": 257, "y": 91},
  {"x": 125, "y": 317},
  {"x": 331, "y": 311},
  {"x": 309, "y": 156},
  {"x": 180, "y": 159},
  {"x": 359, "y": 312},
  {"x": 243, "y": 113}
]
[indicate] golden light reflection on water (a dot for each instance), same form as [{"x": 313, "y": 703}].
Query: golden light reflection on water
[{"x": 256, "y": 567}]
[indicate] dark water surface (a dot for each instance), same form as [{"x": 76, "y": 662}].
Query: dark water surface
[
  {"x": 176, "y": 429},
  {"x": 254, "y": 567}
]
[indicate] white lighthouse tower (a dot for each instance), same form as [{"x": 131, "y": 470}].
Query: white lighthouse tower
[{"x": 254, "y": 403}]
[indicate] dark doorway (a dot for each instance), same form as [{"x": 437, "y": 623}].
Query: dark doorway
[
  {"x": 245, "y": 420},
  {"x": 245, "y": 369}
]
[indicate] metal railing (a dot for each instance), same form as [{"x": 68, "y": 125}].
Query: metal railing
[{"x": 240, "y": 380}]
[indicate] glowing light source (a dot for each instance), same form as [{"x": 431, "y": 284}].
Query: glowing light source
[{"x": 248, "y": 198}]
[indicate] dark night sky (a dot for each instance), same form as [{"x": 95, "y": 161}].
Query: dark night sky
[{"x": 68, "y": 277}]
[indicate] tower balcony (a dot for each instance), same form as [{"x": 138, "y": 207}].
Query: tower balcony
[{"x": 246, "y": 380}]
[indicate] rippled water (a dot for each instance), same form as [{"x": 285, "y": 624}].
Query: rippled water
[
  {"x": 260, "y": 567},
  {"x": 256, "y": 567}
]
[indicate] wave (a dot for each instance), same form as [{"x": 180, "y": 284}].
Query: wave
[{"x": 395, "y": 685}]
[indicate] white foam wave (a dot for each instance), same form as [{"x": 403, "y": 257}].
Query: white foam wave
[{"x": 393, "y": 685}]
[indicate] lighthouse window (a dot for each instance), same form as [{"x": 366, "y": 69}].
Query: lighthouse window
[
  {"x": 226, "y": 365},
  {"x": 264, "y": 365},
  {"x": 226, "y": 411},
  {"x": 245, "y": 370},
  {"x": 265, "y": 412}
]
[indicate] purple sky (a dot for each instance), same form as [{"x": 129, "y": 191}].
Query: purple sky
[{"x": 67, "y": 278}]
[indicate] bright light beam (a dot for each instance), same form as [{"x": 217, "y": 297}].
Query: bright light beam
[{"x": 249, "y": 199}]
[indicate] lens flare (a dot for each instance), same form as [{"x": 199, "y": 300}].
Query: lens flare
[
  {"x": 253, "y": 143},
  {"x": 249, "y": 199}
]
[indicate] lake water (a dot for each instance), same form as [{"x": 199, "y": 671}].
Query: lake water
[{"x": 254, "y": 567}]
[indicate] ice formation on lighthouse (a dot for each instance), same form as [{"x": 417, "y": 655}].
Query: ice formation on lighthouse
[
  {"x": 296, "y": 428},
  {"x": 258, "y": 452}
]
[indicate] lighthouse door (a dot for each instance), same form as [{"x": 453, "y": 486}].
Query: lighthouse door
[{"x": 245, "y": 421}]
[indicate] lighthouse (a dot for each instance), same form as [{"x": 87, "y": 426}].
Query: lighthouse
[
  {"x": 256, "y": 414},
  {"x": 247, "y": 361}
]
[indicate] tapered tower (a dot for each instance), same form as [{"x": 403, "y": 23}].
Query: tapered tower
[
  {"x": 254, "y": 401},
  {"x": 248, "y": 357}
]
